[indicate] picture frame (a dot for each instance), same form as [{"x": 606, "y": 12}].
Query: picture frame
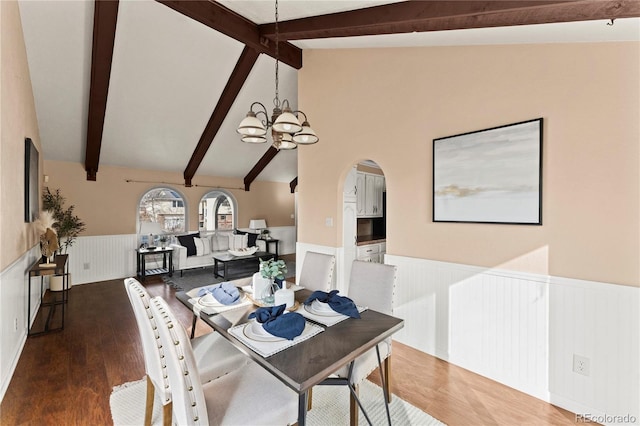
[
  {"x": 489, "y": 176},
  {"x": 31, "y": 182}
]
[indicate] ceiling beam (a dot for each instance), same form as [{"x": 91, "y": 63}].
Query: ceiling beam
[
  {"x": 221, "y": 19},
  {"x": 259, "y": 167},
  {"x": 243, "y": 67},
  {"x": 422, "y": 16},
  {"x": 105, "y": 16},
  {"x": 293, "y": 184}
]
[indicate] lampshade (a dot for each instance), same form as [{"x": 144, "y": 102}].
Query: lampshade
[
  {"x": 251, "y": 126},
  {"x": 286, "y": 142},
  {"x": 287, "y": 122},
  {"x": 306, "y": 136},
  {"x": 150, "y": 228},
  {"x": 257, "y": 224},
  {"x": 254, "y": 139}
]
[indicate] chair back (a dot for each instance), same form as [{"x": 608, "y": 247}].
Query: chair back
[
  {"x": 372, "y": 285},
  {"x": 189, "y": 406},
  {"x": 317, "y": 271},
  {"x": 151, "y": 346}
]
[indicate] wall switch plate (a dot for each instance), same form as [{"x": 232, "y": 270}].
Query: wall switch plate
[
  {"x": 87, "y": 265},
  {"x": 328, "y": 222},
  {"x": 581, "y": 365}
]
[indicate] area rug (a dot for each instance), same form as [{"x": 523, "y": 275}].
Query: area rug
[
  {"x": 330, "y": 407},
  {"x": 199, "y": 277}
]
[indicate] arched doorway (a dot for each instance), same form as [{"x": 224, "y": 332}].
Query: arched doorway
[{"x": 363, "y": 218}]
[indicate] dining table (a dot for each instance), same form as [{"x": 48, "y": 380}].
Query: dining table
[{"x": 312, "y": 361}]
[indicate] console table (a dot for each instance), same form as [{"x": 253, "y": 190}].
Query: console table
[
  {"x": 167, "y": 261},
  {"x": 36, "y": 270}
]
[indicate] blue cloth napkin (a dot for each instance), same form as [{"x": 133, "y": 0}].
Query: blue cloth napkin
[
  {"x": 341, "y": 304},
  {"x": 225, "y": 293},
  {"x": 275, "y": 322}
]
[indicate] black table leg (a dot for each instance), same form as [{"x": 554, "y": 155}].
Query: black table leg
[{"x": 302, "y": 408}]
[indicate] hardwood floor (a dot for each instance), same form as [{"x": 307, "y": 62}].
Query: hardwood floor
[{"x": 66, "y": 377}]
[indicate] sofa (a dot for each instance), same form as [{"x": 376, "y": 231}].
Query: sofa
[{"x": 196, "y": 250}]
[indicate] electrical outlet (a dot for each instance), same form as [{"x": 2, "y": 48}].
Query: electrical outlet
[
  {"x": 581, "y": 365},
  {"x": 87, "y": 265},
  {"x": 15, "y": 324}
]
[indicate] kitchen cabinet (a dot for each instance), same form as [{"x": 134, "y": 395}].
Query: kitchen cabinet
[
  {"x": 369, "y": 189},
  {"x": 372, "y": 252}
]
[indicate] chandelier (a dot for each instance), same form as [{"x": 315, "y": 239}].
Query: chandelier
[{"x": 286, "y": 130}]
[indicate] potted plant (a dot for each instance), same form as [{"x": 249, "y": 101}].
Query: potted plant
[
  {"x": 68, "y": 226},
  {"x": 273, "y": 270}
]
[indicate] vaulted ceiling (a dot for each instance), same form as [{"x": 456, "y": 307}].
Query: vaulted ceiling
[{"x": 162, "y": 85}]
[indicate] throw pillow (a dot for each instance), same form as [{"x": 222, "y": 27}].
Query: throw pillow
[
  {"x": 237, "y": 242},
  {"x": 220, "y": 242},
  {"x": 187, "y": 241},
  {"x": 251, "y": 240},
  {"x": 252, "y": 237},
  {"x": 202, "y": 246}
]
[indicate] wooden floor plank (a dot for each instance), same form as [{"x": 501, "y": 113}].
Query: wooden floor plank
[{"x": 66, "y": 377}]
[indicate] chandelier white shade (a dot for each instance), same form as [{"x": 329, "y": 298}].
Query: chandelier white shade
[{"x": 286, "y": 130}]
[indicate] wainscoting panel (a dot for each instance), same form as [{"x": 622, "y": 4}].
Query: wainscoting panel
[
  {"x": 104, "y": 257},
  {"x": 522, "y": 330},
  {"x": 14, "y": 286},
  {"x": 600, "y": 322},
  {"x": 489, "y": 322}
]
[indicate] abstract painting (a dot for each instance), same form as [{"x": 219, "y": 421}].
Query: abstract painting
[{"x": 489, "y": 176}]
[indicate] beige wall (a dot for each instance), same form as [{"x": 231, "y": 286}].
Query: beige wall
[
  {"x": 588, "y": 95},
  {"x": 109, "y": 205},
  {"x": 18, "y": 122}
]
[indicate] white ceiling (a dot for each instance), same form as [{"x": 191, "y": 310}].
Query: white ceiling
[{"x": 168, "y": 72}]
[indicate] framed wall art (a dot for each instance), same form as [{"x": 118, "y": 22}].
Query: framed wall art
[
  {"x": 31, "y": 182},
  {"x": 489, "y": 176}
]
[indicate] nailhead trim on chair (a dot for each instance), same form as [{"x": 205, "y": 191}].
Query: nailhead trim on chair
[
  {"x": 145, "y": 301},
  {"x": 180, "y": 353}
]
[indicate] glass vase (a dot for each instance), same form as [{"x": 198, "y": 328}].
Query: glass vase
[{"x": 269, "y": 295}]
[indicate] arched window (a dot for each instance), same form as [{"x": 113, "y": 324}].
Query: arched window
[
  {"x": 217, "y": 211},
  {"x": 161, "y": 210}
]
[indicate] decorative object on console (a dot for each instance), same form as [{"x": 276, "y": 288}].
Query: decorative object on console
[
  {"x": 68, "y": 226},
  {"x": 48, "y": 238},
  {"x": 286, "y": 130},
  {"x": 489, "y": 176}
]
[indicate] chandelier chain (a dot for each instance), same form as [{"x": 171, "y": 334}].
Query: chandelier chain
[{"x": 276, "y": 101}]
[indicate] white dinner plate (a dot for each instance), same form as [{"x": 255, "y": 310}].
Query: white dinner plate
[
  {"x": 254, "y": 331},
  {"x": 323, "y": 313},
  {"x": 211, "y": 302}
]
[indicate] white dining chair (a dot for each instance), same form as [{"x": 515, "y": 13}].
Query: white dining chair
[
  {"x": 317, "y": 271},
  {"x": 246, "y": 396},
  {"x": 215, "y": 355},
  {"x": 371, "y": 285}
]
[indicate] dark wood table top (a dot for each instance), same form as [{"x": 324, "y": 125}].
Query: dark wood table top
[
  {"x": 311, "y": 361},
  {"x": 37, "y": 270}
]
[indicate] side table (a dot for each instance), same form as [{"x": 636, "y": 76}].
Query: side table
[
  {"x": 167, "y": 265},
  {"x": 268, "y": 242},
  {"x": 36, "y": 270}
]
